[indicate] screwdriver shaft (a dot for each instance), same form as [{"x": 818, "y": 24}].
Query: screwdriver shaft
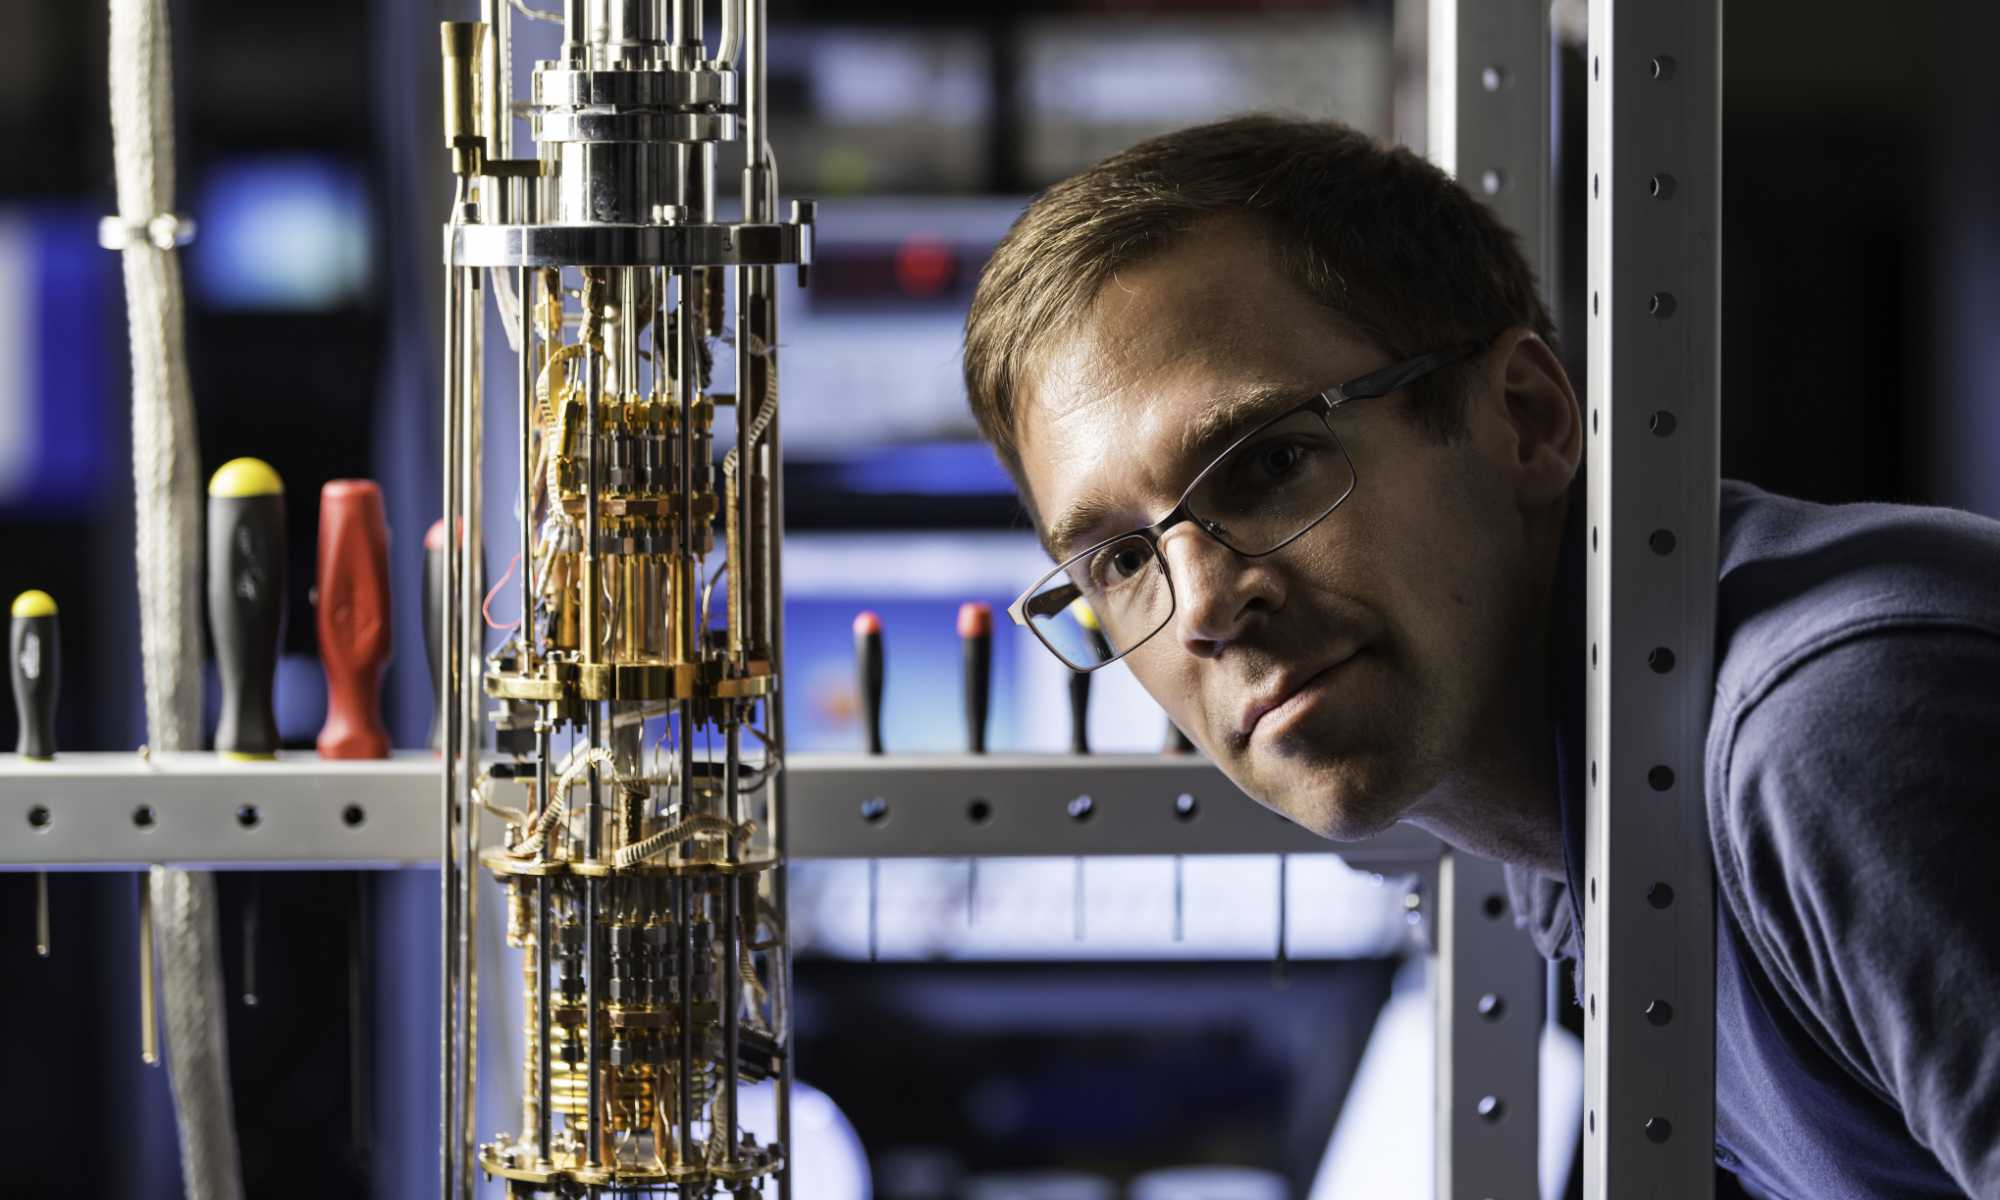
[{"x": 42, "y": 914}]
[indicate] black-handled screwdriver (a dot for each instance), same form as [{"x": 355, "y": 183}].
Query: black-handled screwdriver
[
  {"x": 34, "y": 653},
  {"x": 869, "y": 670},
  {"x": 246, "y": 601},
  {"x": 975, "y": 638}
]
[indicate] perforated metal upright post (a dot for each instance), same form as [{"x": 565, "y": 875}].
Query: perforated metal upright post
[
  {"x": 1655, "y": 84},
  {"x": 1488, "y": 121}
]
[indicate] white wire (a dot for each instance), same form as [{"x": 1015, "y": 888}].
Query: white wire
[{"x": 167, "y": 496}]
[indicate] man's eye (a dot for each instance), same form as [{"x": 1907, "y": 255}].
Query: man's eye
[
  {"x": 1119, "y": 564},
  {"x": 1275, "y": 460}
]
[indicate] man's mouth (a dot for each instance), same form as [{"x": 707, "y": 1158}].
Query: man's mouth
[{"x": 1279, "y": 705}]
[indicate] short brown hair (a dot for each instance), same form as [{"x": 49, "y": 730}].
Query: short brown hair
[{"x": 1384, "y": 240}]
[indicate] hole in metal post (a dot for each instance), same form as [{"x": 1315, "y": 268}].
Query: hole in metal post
[
  {"x": 1593, "y": 187},
  {"x": 1185, "y": 807},
  {"x": 874, "y": 809},
  {"x": 1593, "y": 654},
  {"x": 1492, "y": 1006},
  {"x": 1081, "y": 808},
  {"x": 1659, "y": 1012},
  {"x": 1660, "y": 778},
  {"x": 247, "y": 816},
  {"x": 1593, "y": 1004},
  {"x": 353, "y": 815},
  {"x": 1494, "y": 906},
  {"x": 1662, "y": 541},
  {"x": 142, "y": 816},
  {"x": 1662, "y": 423},
  {"x": 1491, "y": 1108},
  {"x": 1660, "y": 659},
  {"x": 1661, "y": 186},
  {"x": 979, "y": 811},
  {"x": 1491, "y": 180},
  {"x": 1664, "y": 66},
  {"x": 1659, "y": 1129},
  {"x": 1594, "y": 68},
  {"x": 1593, "y": 889},
  {"x": 1659, "y": 895},
  {"x": 1593, "y": 1121},
  {"x": 1593, "y": 772},
  {"x": 38, "y": 816},
  {"x": 1593, "y": 304},
  {"x": 1493, "y": 78},
  {"x": 1593, "y": 538},
  {"x": 1661, "y": 304}
]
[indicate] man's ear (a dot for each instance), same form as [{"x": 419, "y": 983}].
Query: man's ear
[{"x": 1542, "y": 417}]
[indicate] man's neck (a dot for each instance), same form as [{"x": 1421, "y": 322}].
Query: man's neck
[{"x": 1503, "y": 802}]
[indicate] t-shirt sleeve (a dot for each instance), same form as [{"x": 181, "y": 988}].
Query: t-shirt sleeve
[{"x": 1861, "y": 817}]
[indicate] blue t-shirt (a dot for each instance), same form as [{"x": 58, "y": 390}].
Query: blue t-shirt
[{"x": 1853, "y": 788}]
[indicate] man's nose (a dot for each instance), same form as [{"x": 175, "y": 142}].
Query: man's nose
[{"x": 1219, "y": 595}]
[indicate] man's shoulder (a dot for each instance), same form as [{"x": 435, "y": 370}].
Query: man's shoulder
[{"x": 1797, "y": 578}]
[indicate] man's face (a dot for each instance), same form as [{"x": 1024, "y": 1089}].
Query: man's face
[{"x": 1351, "y": 674}]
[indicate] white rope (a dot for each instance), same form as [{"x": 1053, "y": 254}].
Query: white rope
[{"x": 167, "y": 496}]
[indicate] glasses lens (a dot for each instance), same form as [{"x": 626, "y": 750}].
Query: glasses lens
[
  {"x": 1103, "y": 603},
  {"x": 1274, "y": 484}
]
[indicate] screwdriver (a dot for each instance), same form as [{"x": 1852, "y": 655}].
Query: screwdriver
[
  {"x": 975, "y": 637},
  {"x": 868, "y": 665},
  {"x": 35, "y": 654},
  {"x": 246, "y": 592},
  {"x": 353, "y": 617}
]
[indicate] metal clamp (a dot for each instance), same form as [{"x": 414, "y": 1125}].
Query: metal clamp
[{"x": 168, "y": 231}]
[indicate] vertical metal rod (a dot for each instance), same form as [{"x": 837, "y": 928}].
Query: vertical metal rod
[
  {"x": 732, "y": 952},
  {"x": 687, "y": 643},
  {"x": 42, "y": 913},
  {"x": 684, "y": 909},
  {"x": 591, "y": 640},
  {"x": 524, "y": 288},
  {"x": 471, "y": 655},
  {"x": 543, "y": 1134},
  {"x": 250, "y": 906},
  {"x": 448, "y": 674},
  {"x": 149, "y": 1038}
]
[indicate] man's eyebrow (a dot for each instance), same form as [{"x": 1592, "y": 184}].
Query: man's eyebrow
[
  {"x": 1235, "y": 412},
  {"x": 1076, "y": 520}
]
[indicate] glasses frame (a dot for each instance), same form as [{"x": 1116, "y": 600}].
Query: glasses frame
[{"x": 1374, "y": 385}]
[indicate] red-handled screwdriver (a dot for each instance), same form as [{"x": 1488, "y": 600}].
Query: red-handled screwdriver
[{"x": 353, "y": 617}]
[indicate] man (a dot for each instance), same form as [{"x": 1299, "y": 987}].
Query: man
[{"x": 1284, "y": 407}]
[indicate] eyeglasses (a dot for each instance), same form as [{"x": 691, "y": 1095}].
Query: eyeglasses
[{"x": 1257, "y": 497}]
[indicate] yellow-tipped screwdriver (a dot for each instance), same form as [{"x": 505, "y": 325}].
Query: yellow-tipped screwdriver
[
  {"x": 246, "y": 595},
  {"x": 35, "y": 657}
]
